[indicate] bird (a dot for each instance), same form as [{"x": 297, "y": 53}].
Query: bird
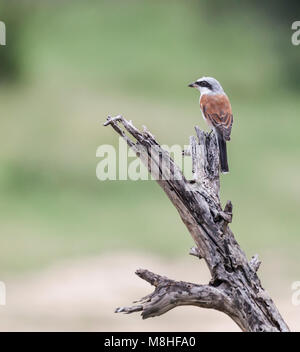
[{"x": 216, "y": 111}]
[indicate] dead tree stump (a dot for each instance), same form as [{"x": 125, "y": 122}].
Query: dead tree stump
[{"x": 234, "y": 288}]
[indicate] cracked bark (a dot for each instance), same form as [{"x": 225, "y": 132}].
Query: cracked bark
[{"x": 234, "y": 288}]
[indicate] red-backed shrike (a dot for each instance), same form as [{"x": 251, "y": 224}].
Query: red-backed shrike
[{"x": 216, "y": 111}]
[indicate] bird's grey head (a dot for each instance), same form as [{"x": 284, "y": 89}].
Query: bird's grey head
[{"x": 207, "y": 85}]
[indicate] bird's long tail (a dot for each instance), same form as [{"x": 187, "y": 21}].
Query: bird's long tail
[{"x": 223, "y": 154}]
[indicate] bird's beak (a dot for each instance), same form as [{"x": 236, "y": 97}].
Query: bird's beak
[{"x": 192, "y": 85}]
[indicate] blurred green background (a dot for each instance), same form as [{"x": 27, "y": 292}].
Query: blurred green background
[{"x": 69, "y": 64}]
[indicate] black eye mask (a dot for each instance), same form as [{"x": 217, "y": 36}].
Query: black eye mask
[{"x": 204, "y": 84}]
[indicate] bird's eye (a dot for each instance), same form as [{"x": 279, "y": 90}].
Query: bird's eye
[{"x": 204, "y": 84}]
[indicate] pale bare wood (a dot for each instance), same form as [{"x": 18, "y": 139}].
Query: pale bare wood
[{"x": 235, "y": 288}]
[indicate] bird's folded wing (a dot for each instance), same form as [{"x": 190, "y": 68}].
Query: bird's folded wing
[{"x": 217, "y": 110}]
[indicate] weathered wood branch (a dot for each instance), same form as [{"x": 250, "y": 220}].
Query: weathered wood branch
[
  {"x": 169, "y": 294},
  {"x": 235, "y": 288}
]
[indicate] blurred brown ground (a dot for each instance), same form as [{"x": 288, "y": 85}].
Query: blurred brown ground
[{"x": 82, "y": 295}]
